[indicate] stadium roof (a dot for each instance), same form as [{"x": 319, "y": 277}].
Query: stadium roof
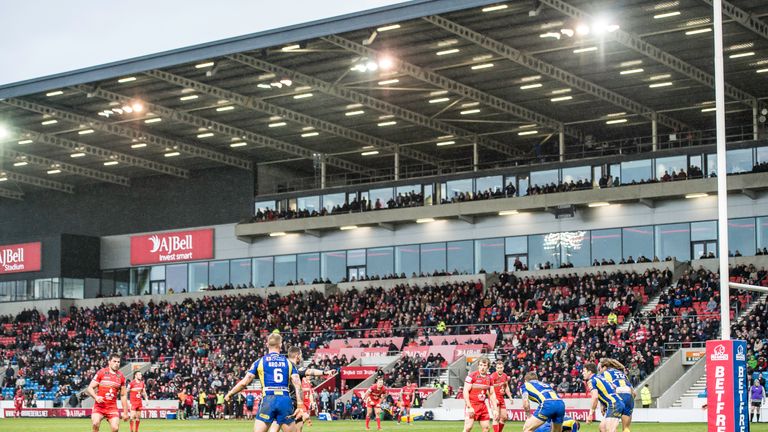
[{"x": 424, "y": 79}]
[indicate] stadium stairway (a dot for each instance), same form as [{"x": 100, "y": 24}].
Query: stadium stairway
[
  {"x": 686, "y": 396},
  {"x": 455, "y": 373}
]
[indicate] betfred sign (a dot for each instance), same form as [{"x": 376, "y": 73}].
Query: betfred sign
[
  {"x": 357, "y": 372},
  {"x": 727, "y": 386},
  {"x": 19, "y": 258},
  {"x": 172, "y": 247}
]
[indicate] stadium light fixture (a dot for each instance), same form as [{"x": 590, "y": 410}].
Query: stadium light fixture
[
  {"x": 238, "y": 144},
  {"x": 54, "y": 93},
  {"x": 190, "y": 97},
  {"x": 205, "y": 135},
  {"x": 310, "y": 134},
  {"x": 472, "y": 111},
  {"x": 482, "y": 66},
  {"x": 445, "y": 143},
  {"x": 172, "y": 154},
  {"x": 348, "y": 227},
  {"x": 561, "y": 98},
  {"x": 389, "y": 81},
  {"x": 153, "y": 120},
  {"x": 77, "y": 155},
  {"x": 666, "y": 15},
  {"x": 598, "y": 204},
  {"x": 439, "y": 100},
  {"x": 508, "y": 212},
  {"x": 531, "y": 86},
  {"x": 616, "y": 121},
  {"x": 204, "y": 65},
  {"x": 448, "y": 51},
  {"x": 278, "y": 124},
  {"x": 3, "y": 132},
  {"x": 761, "y": 70},
  {"x": 369, "y": 153},
  {"x": 584, "y": 50},
  {"x": 696, "y": 195},
  {"x": 85, "y": 132},
  {"x": 744, "y": 54},
  {"x": 631, "y": 71},
  {"x": 225, "y": 108},
  {"x": 698, "y": 31},
  {"x": 48, "y": 122},
  {"x": 54, "y": 171},
  {"x": 25, "y": 141},
  {"x": 111, "y": 163},
  {"x": 528, "y": 132},
  {"x": 277, "y": 234},
  {"x": 495, "y": 8},
  {"x": 20, "y": 163},
  {"x": 126, "y": 80},
  {"x": 388, "y": 28},
  {"x": 387, "y": 123},
  {"x": 661, "y": 84},
  {"x": 354, "y": 113},
  {"x": 138, "y": 145},
  {"x": 425, "y": 220}
]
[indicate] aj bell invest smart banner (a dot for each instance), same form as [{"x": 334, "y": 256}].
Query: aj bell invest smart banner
[
  {"x": 727, "y": 386},
  {"x": 171, "y": 247},
  {"x": 18, "y": 258}
]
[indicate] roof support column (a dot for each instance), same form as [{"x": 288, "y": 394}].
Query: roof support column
[
  {"x": 475, "y": 156},
  {"x": 654, "y": 133},
  {"x": 322, "y": 172},
  {"x": 561, "y": 146},
  {"x": 755, "y": 120},
  {"x": 397, "y": 163}
]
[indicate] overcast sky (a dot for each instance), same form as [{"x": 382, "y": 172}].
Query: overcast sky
[{"x": 45, "y": 37}]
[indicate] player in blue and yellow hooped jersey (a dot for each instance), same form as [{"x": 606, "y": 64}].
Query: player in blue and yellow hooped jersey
[
  {"x": 569, "y": 425},
  {"x": 604, "y": 392},
  {"x": 614, "y": 371},
  {"x": 276, "y": 373},
  {"x": 551, "y": 407}
]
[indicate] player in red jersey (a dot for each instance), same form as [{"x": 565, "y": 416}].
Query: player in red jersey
[
  {"x": 309, "y": 394},
  {"x": 18, "y": 402},
  {"x": 104, "y": 389},
  {"x": 137, "y": 392},
  {"x": 407, "y": 395},
  {"x": 501, "y": 388},
  {"x": 477, "y": 390},
  {"x": 372, "y": 399}
]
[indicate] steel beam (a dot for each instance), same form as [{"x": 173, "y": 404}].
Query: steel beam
[
  {"x": 11, "y": 194},
  {"x": 634, "y": 42},
  {"x": 100, "y": 152},
  {"x": 266, "y": 107},
  {"x": 224, "y": 129},
  {"x": 371, "y": 102},
  {"x": 128, "y": 132},
  {"x": 455, "y": 86},
  {"x": 39, "y": 182},
  {"x": 68, "y": 168},
  {"x": 552, "y": 71},
  {"x": 744, "y": 18}
]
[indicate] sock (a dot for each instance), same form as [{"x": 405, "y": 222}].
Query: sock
[
  {"x": 408, "y": 419},
  {"x": 132, "y": 426},
  {"x": 378, "y": 422},
  {"x": 367, "y": 421},
  {"x": 137, "y": 425},
  {"x": 626, "y": 429},
  {"x": 501, "y": 427},
  {"x": 758, "y": 416},
  {"x": 496, "y": 428}
]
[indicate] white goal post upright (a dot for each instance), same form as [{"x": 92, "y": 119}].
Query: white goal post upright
[{"x": 722, "y": 190}]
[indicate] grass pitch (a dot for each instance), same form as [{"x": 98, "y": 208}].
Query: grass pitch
[{"x": 83, "y": 425}]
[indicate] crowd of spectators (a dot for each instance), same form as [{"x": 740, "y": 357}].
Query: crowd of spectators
[{"x": 412, "y": 368}]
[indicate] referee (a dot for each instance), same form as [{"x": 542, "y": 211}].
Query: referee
[{"x": 757, "y": 394}]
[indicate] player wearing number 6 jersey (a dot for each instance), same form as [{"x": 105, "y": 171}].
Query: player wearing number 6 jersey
[
  {"x": 276, "y": 374},
  {"x": 551, "y": 407}
]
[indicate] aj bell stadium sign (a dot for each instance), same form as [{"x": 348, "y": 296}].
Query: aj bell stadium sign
[
  {"x": 172, "y": 247},
  {"x": 19, "y": 258}
]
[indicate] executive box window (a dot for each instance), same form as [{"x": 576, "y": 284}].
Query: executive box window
[
  {"x": 489, "y": 255},
  {"x": 574, "y": 174},
  {"x": 219, "y": 273},
  {"x": 332, "y": 200},
  {"x": 739, "y": 161},
  {"x": 139, "y": 281},
  {"x": 382, "y": 196},
  {"x": 308, "y": 267},
  {"x": 638, "y": 241},
  {"x": 636, "y": 171},
  {"x": 176, "y": 278},
  {"x": 285, "y": 269},
  {"x": 432, "y": 257},
  {"x": 381, "y": 261},
  {"x": 540, "y": 252},
  {"x": 606, "y": 245},
  {"x": 670, "y": 165},
  {"x": 460, "y": 256},
  {"x": 263, "y": 271},
  {"x": 198, "y": 276},
  {"x": 673, "y": 240},
  {"x": 574, "y": 247},
  {"x": 310, "y": 204},
  {"x": 543, "y": 178},
  {"x": 492, "y": 184},
  {"x": 407, "y": 260},
  {"x": 741, "y": 236},
  {"x": 240, "y": 272},
  {"x": 762, "y": 232},
  {"x": 454, "y": 188},
  {"x": 333, "y": 265}
]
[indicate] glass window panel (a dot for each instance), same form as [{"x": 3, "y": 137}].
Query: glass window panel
[
  {"x": 381, "y": 261},
  {"x": 670, "y": 165},
  {"x": 429, "y": 198},
  {"x": 523, "y": 185},
  {"x": 457, "y": 187},
  {"x": 263, "y": 272},
  {"x": 543, "y": 178},
  {"x": 73, "y": 288},
  {"x": 432, "y": 257},
  {"x": 157, "y": 273},
  {"x": 382, "y": 196},
  {"x": 597, "y": 174},
  {"x": 406, "y": 189},
  {"x": 492, "y": 184},
  {"x": 606, "y": 245},
  {"x": 739, "y": 161},
  {"x": 309, "y": 203},
  {"x": 762, "y": 232},
  {"x": 334, "y": 266},
  {"x": 407, "y": 260},
  {"x": 176, "y": 278},
  {"x": 219, "y": 273},
  {"x": 308, "y": 267},
  {"x": 703, "y": 231},
  {"x": 123, "y": 281},
  {"x": 356, "y": 257},
  {"x": 285, "y": 269},
  {"x": 240, "y": 272},
  {"x": 489, "y": 255},
  {"x": 510, "y": 182},
  {"x": 694, "y": 162},
  {"x": 614, "y": 170},
  {"x": 741, "y": 236},
  {"x": 107, "y": 288},
  {"x": 265, "y": 205},
  {"x": 762, "y": 154},
  {"x": 198, "y": 276},
  {"x": 540, "y": 251},
  {"x": 575, "y": 247},
  {"x": 139, "y": 281},
  {"x": 635, "y": 171},
  {"x": 460, "y": 256},
  {"x": 516, "y": 245},
  {"x": 576, "y": 174},
  {"x": 673, "y": 240},
  {"x": 711, "y": 165},
  {"x": 637, "y": 241},
  {"x": 333, "y": 200}
]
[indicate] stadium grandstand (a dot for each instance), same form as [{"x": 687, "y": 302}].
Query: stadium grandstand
[{"x": 403, "y": 193}]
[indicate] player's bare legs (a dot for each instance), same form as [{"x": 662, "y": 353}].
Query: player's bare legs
[
  {"x": 114, "y": 423},
  {"x": 533, "y": 423},
  {"x": 469, "y": 421},
  {"x": 274, "y": 427},
  {"x": 626, "y": 422},
  {"x": 609, "y": 425},
  {"x": 96, "y": 421},
  {"x": 135, "y": 418}
]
